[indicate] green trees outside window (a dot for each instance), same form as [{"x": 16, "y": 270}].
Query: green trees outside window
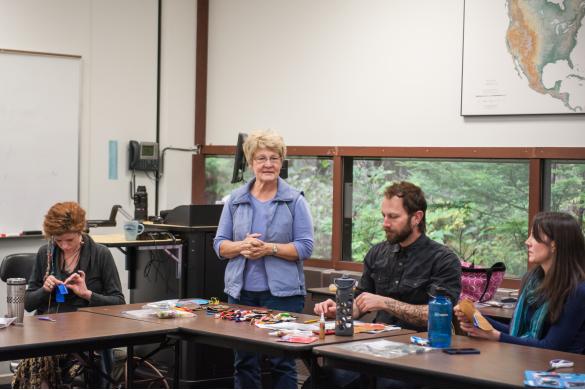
[
  {"x": 312, "y": 175},
  {"x": 565, "y": 188},
  {"x": 477, "y": 208},
  {"x": 218, "y": 174}
]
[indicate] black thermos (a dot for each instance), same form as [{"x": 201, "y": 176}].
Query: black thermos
[
  {"x": 344, "y": 301},
  {"x": 140, "y": 204}
]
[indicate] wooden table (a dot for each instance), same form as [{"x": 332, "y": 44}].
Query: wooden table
[
  {"x": 120, "y": 311},
  {"x": 498, "y": 313},
  {"x": 241, "y": 335},
  {"x": 119, "y": 241},
  {"x": 233, "y": 334},
  {"x": 320, "y": 294},
  {"x": 498, "y": 365},
  {"x": 75, "y": 332},
  {"x": 200, "y": 272},
  {"x": 206, "y": 329},
  {"x": 130, "y": 248}
]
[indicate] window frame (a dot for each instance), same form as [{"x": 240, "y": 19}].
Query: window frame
[{"x": 342, "y": 157}]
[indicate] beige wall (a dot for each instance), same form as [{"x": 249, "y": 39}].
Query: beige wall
[
  {"x": 355, "y": 73},
  {"x": 117, "y": 40}
]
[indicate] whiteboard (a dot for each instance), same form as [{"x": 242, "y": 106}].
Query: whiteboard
[{"x": 39, "y": 136}]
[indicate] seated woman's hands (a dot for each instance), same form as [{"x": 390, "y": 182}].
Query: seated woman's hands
[
  {"x": 76, "y": 283},
  {"x": 473, "y": 331},
  {"x": 50, "y": 283}
]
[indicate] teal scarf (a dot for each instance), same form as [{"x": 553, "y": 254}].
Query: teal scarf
[{"x": 521, "y": 326}]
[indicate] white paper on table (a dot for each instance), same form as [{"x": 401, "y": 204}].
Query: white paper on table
[
  {"x": 140, "y": 313},
  {"x": 166, "y": 304},
  {"x": 286, "y": 326},
  {"x": 296, "y": 326},
  {"x": 6, "y": 321},
  {"x": 384, "y": 348},
  {"x": 387, "y": 328}
]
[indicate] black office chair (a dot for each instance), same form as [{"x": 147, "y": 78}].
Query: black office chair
[{"x": 18, "y": 265}]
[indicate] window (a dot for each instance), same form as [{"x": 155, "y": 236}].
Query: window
[
  {"x": 312, "y": 175},
  {"x": 480, "y": 199},
  {"x": 479, "y": 208},
  {"x": 218, "y": 173},
  {"x": 564, "y": 188}
]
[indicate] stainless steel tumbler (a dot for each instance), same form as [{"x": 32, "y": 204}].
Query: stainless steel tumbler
[{"x": 15, "y": 298}]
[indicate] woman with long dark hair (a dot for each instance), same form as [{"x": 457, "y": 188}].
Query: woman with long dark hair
[{"x": 551, "y": 308}]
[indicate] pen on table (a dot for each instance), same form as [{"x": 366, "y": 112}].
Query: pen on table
[{"x": 311, "y": 321}]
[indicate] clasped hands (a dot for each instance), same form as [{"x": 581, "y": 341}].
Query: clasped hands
[
  {"x": 254, "y": 248},
  {"x": 75, "y": 282}
]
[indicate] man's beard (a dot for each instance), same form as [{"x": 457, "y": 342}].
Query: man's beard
[{"x": 400, "y": 236}]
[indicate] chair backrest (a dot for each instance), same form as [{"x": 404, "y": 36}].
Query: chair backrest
[{"x": 18, "y": 265}]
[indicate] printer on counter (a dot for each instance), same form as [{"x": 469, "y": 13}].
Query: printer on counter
[{"x": 193, "y": 215}]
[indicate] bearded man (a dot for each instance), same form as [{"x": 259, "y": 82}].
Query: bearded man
[{"x": 402, "y": 273}]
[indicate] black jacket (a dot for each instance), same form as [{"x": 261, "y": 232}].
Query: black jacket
[{"x": 101, "y": 277}]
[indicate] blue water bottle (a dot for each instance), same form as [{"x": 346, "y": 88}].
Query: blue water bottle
[{"x": 440, "y": 314}]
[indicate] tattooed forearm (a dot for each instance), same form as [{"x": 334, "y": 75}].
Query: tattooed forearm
[{"x": 415, "y": 314}]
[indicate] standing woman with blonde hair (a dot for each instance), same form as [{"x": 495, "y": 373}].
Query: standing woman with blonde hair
[
  {"x": 266, "y": 232},
  {"x": 87, "y": 269},
  {"x": 550, "y": 312}
]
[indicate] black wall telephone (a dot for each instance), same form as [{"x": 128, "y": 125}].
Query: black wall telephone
[{"x": 143, "y": 156}]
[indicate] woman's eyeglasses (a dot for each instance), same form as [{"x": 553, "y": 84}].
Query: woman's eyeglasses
[{"x": 264, "y": 160}]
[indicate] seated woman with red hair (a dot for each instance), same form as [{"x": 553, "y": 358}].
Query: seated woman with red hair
[{"x": 87, "y": 269}]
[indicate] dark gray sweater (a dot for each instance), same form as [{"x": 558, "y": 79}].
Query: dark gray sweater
[{"x": 101, "y": 277}]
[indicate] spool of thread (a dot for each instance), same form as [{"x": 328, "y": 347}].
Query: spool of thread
[{"x": 322, "y": 327}]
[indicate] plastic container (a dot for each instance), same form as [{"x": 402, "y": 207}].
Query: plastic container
[
  {"x": 322, "y": 327},
  {"x": 440, "y": 315}
]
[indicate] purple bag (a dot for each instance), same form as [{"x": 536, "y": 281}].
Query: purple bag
[{"x": 479, "y": 284}]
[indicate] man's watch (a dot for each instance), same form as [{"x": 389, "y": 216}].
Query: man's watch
[{"x": 274, "y": 249}]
